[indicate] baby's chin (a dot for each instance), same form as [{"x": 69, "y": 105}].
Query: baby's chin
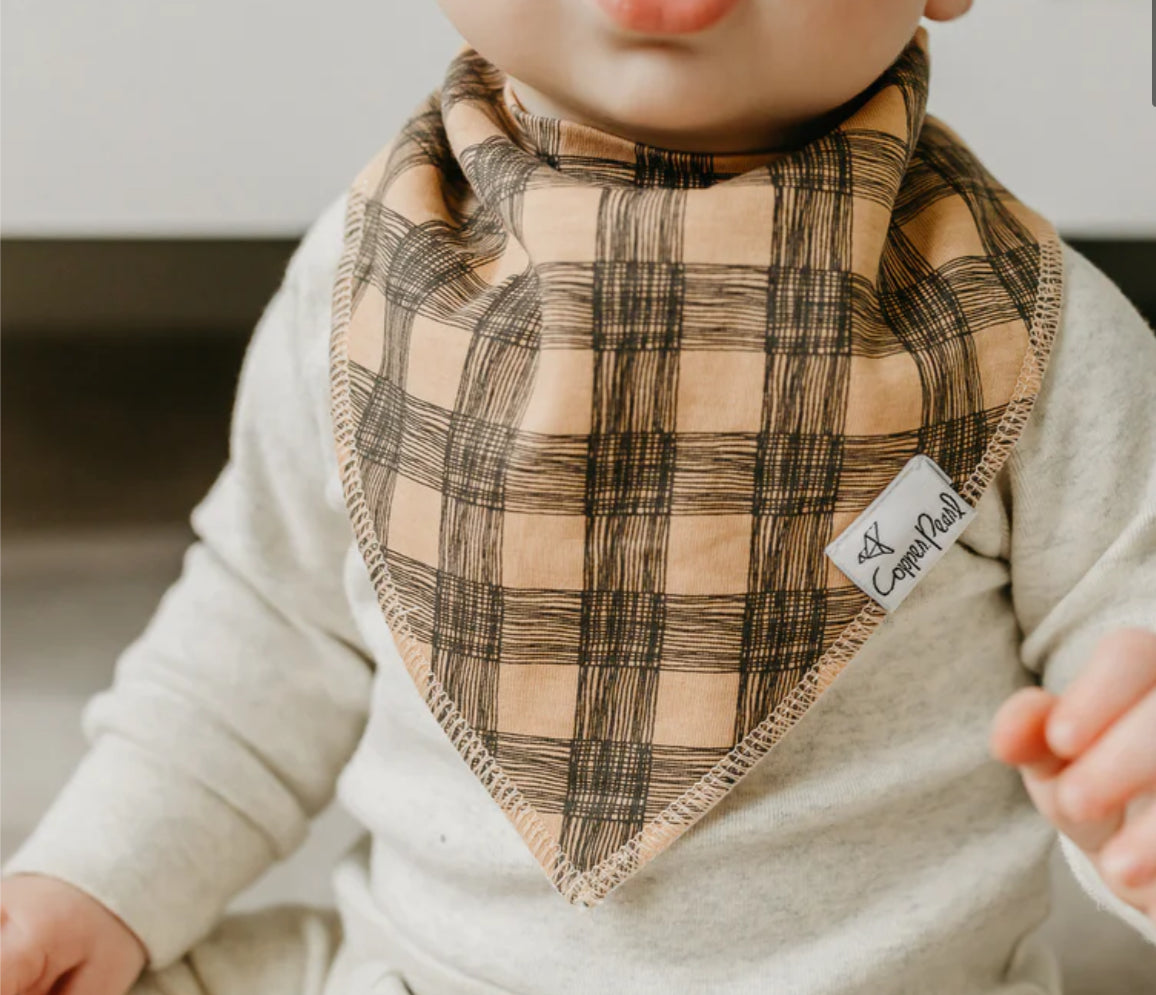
[{"x": 674, "y": 119}]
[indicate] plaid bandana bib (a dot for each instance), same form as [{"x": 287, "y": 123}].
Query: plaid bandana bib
[{"x": 600, "y": 407}]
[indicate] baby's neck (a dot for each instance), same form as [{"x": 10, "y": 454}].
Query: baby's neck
[{"x": 756, "y": 137}]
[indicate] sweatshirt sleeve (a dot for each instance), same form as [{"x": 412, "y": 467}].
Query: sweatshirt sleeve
[
  {"x": 1083, "y": 500},
  {"x": 231, "y": 715}
]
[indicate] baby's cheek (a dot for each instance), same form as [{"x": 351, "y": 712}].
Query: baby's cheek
[
  {"x": 836, "y": 48},
  {"x": 518, "y": 34}
]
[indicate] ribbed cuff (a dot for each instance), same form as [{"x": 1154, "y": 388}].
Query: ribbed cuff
[{"x": 149, "y": 843}]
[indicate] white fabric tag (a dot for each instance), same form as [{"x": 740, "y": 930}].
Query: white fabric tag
[{"x": 903, "y": 533}]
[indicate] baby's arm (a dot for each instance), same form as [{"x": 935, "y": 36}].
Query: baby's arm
[
  {"x": 1083, "y": 565},
  {"x": 231, "y": 716}
]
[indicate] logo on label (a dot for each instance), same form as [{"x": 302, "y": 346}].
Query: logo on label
[
  {"x": 921, "y": 515},
  {"x": 872, "y": 545}
]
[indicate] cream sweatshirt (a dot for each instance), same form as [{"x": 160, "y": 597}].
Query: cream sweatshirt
[{"x": 878, "y": 848}]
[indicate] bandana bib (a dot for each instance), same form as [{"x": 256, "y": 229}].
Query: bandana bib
[{"x": 600, "y": 408}]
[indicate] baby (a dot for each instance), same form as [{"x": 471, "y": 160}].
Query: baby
[{"x": 658, "y": 487}]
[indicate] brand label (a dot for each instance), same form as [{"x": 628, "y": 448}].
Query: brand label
[{"x": 903, "y": 533}]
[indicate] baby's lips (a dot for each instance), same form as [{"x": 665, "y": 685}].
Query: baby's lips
[{"x": 667, "y": 17}]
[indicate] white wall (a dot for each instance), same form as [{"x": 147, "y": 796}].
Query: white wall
[
  {"x": 244, "y": 117},
  {"x": 172, "y": 117},
  {"x": 1056, "y": 97}
]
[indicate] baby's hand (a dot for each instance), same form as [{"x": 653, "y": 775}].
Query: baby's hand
[
  {"x": 55, "y": 938},
  {"x": 1088, "y": 759}
]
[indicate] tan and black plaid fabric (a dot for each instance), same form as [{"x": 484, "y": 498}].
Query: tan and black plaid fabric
[{"x": 600, "y": 406}]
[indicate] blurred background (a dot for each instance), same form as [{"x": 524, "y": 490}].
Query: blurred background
[{"x": 160, "y": 163}]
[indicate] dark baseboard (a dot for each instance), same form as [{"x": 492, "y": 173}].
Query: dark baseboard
[
  {"x": 105, "y": 429},
  {"x": 78, "y": 286}
]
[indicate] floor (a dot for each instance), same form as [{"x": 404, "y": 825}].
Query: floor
[{"x": 97, "y": 481}]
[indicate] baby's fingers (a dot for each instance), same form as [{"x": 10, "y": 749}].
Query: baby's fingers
[
  {"x": 1018, "y": 739},
  {"x": 24, "y": 965},
  {"x": 1121, "y": 671},
  {"x": 1017, "y": 734},
  {"x": 1129, "y": 860},
  {"x": 1119, "y": 766}
]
